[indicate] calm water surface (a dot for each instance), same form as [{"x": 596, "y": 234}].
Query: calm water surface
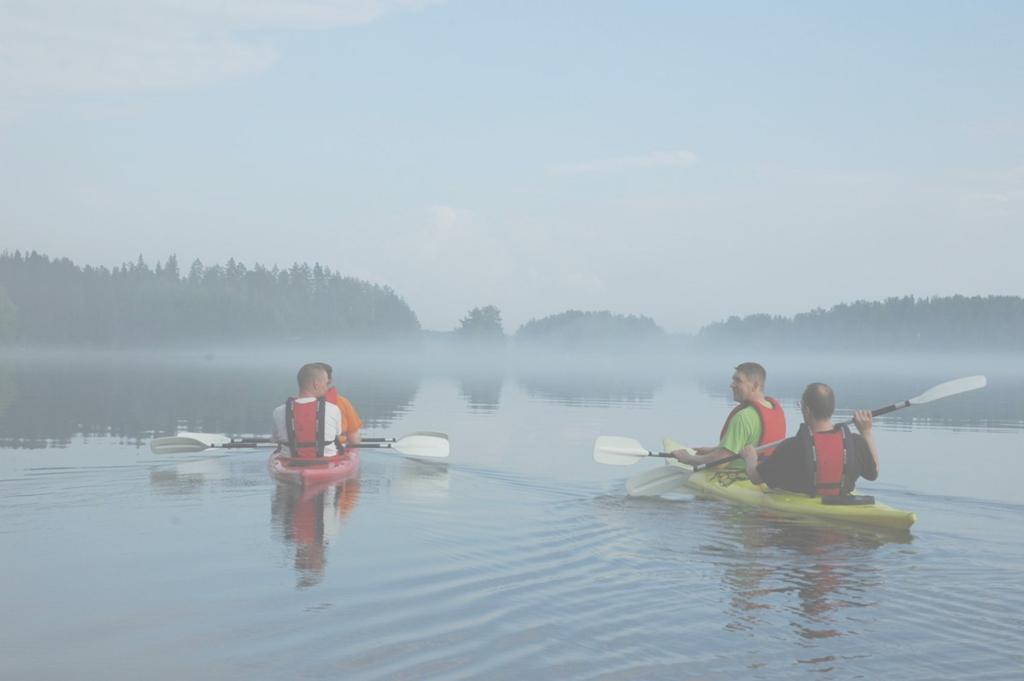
[{"x": 521, "y": 557}]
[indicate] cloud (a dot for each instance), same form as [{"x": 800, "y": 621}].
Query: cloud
[
  {"x": 1012, "y": 127},
  {"x": 446, "y": 218},
  {"x": 456, "y": 258},
  {"x": 657, "y": 159},
  {"x": 111, "y": 46}
]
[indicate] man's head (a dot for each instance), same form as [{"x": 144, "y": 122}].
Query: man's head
[
  {"x": 328, "y": 368},
  {"x": 313, "y": 380},
  {"x": 748, "y": 382},
  {"x": 817, "y": 403}
]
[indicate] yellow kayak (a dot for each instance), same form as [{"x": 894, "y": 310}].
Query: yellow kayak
[{"x": 733, "y": 485}]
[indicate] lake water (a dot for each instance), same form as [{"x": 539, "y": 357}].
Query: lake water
[{"x": 520, "y": 557}]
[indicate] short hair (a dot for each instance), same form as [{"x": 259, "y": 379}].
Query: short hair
[
  {"x": 753, "y": 371},
  {"x": 326, "y": 367},
  {"x": 819, "y": 400},
  {"x": 309, "y": 373}
]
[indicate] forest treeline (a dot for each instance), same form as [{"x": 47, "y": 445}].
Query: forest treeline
[
  {"x": 590, "y": 328},
  {"x": 952, "y": 323},
  {"x": 46, "y": 301},
  {"x": 53, "y": 301}
]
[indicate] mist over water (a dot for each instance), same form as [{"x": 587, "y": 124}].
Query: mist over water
[
  {"x": 134, "y": 395},
  {"x": 520, "y": 555}
]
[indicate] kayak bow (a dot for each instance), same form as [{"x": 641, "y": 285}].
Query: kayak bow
[{"x": 313, "y": 471}]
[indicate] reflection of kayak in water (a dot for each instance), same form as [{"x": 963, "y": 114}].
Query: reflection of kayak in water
[
  {"x": 733, "y": 485},
  {"x": 313, "y": 471},
  {"x": 308, "y": 516}
]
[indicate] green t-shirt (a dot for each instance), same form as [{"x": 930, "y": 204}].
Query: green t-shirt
[{"x": 744, "y": 429}]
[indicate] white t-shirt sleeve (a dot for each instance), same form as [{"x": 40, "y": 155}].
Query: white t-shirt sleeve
[{"x": 332, "y": 425}]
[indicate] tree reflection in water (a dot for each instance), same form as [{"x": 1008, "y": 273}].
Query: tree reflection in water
[{"x": 134, "y": 398}]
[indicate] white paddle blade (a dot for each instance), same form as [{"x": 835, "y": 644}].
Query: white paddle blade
[
  {"x": 211, "y": 439},
  {"x": 424, "y": 445},
  {"x": 196, "y": 442},
  {"x": 657, "y": 481},
  {"x": 177, "y": 444},
  {"x": 949, "y": 388},
  {"x": 618, "y": 451}
]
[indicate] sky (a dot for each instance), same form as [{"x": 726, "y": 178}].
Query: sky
[{"x": 685, "y": 161}]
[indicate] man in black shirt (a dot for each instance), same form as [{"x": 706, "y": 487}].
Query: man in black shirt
[{"x": 802, "y": 464}]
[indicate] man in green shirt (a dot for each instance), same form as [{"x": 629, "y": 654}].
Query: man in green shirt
[{"x": 757, "y": 420}]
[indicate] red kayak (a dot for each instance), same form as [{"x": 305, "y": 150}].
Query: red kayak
[{"x": 313, "y": 471}]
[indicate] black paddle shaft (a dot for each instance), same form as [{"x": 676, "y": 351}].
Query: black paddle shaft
[
  {"x": 244, "y": 441},
  {"x": 698, "y": 466},
  {"x": 891, "y": 408},
  {"x": 885, "y": 410}
]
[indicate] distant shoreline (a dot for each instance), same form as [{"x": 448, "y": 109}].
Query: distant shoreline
[{"x": 54, "y": 303}]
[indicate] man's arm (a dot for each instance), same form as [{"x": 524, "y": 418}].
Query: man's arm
[
  {"x": 743, "y": 430},
  {"x": 351, "y": 423},
  {"x": 863, "y": 420},
  {"x": 704, "y": 455},
  {"x": 749, "y": 455},
  {"x": 784, "y": 469}
]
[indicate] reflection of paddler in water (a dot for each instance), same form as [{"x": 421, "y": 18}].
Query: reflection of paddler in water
[
  {"x": 756, "y": 420},
  {"x": 827, "y": 568},
  {"x": 309, "y": 517}
]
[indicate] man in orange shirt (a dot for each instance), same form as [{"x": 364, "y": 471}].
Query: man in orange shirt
[{"x": 350, "y": 421}]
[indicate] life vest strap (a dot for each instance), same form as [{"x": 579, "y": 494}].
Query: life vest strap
[{"x": 773, "y": 422}]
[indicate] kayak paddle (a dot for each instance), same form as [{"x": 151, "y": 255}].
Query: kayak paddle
[
  {"x": 422, "y": 445},
  {"x": 427, "y": 445},
  {"x": 219, "y": 440},
  {"x": 624, "y": 451},
  {"x": 197, "y": 442},
  {"x": 938, "y": 392},
  {"x": 667, "y": 478}
]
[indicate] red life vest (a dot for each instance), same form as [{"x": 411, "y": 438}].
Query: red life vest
[
  {"x": 828, "y": 461},
  {"x": 304, "y": 422},
  {"x": 773, "y": 422}
]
